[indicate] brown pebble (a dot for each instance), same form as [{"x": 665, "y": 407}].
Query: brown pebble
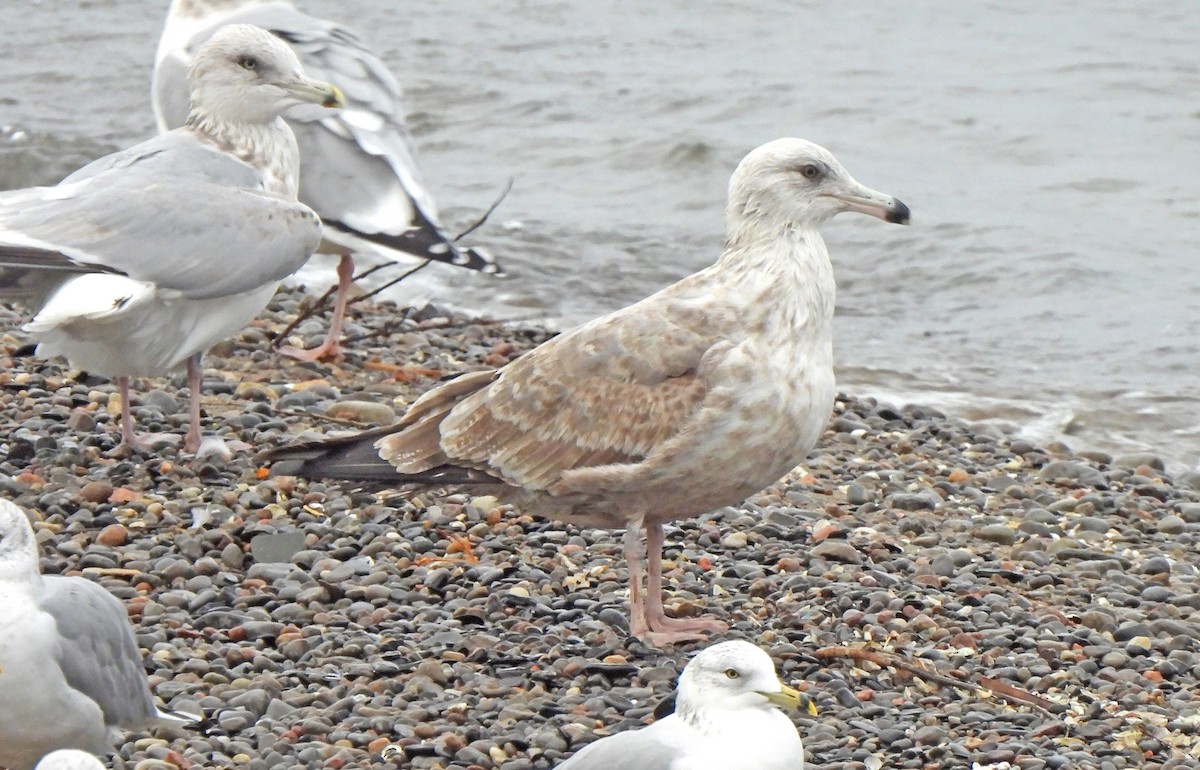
[
  {"x": 122, "y": 495},
  {"x": 113, "y": 535},
  {"x": 96, "y": 491}
]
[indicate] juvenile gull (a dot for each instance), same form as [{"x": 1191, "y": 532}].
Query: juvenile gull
[
  {"x": 143, "y": 259},
  {"x": 69, "y": 759},
  {"x": 726, "y": 717},
  {"x": 359, "y": 170},
  {"x": 690, "y": 400},
  {"x": 71, "y": 676}
]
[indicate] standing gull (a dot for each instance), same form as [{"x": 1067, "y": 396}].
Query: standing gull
[
  {"x": 71, "y": 676},
  {"x": 359, "y": 169},
  {"x": 690, "y": 400},
  {"x": 726, "y": 716},
  {"x": 143, "y": 259}
]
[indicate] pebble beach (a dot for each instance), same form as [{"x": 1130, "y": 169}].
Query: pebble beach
[{"x": 950, "y": 596}]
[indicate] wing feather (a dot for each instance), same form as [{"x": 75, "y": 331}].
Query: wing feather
[
  {"x": 607, "y": 392},
  {"x": 173, "y": 214},
  {"x": 97, "y": 652}
]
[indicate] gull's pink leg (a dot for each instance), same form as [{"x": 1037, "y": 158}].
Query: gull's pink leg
[
  {"x": 129, "y": 436},
  {"x": 194, "y": 373},
  {"x": 330, "y": 348},
  {"x": 635, "y": 557},
  {"x": 662, "y": 628}
]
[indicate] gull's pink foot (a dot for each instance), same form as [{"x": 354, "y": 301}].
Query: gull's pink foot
[{"x": 329, "y": 350}]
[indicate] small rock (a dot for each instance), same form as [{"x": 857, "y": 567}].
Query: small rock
[
  {"x": 997, "y": 533},
  {"x": 1171, "y": 524},
  {"x": 1135, "y": 459},
  {"x": 96, "y": 491},
  {"x": 113, "y": 535},
  {"x": 837, "y": 550},
  {"x": 279, "y": 547},
  {"x": 927, "y": 500},
  {"x": 362, "y": 411},
  {"x": 1081, "y": 473}
]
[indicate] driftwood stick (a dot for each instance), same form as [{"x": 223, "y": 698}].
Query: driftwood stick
[{"x": 1002, "y": 690}]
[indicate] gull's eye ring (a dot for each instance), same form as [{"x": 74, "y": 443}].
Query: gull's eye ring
[
  {"x": 248, "y": 63},
  {"x": 732, "y": 673},
  {"x": 810, "y": 171}
]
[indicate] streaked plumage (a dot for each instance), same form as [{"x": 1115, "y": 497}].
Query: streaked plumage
[
  {"x": 143, "y": 259},
  {"x": 359, "y": 167},
  {"x": 692, "y": 399}
]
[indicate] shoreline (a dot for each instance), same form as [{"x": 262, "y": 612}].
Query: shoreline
[{"x": 468, "y": 636}]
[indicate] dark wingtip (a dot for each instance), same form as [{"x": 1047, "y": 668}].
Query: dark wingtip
[
  {"x": 426, "y": 241},
  {"x": 899, "y": 214}
]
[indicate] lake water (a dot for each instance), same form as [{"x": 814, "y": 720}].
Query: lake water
[{"x": 1050, "y": 155}]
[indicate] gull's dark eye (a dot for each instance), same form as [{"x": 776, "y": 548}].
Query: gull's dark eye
[
  {"x": 810, "y": 171},
  {"x": 732, "y": 673},
  {"x": 248, "y": 63}
]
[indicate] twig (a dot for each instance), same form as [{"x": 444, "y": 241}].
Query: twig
[
  {"x": 490, "y": 210},
  {"x": 307, "y": 310},
  {"x": 1002, "y": 690},
  {"x": 312, "y": 309},
  {"x": 325, "y": 417},
  {"x": 390, "y": 283},
  {"x": 383, "y": 331}
]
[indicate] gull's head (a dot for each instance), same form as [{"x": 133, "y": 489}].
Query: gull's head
[
  {"x": 69, "y": 759},
  {"x": 244, "y": 74},
  {"x": 18, "y": 548},
  {"x": 735, "y": 675},
  {"x": 795, "y": 182}
]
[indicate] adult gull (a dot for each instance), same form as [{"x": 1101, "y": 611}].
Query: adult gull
[
  {"x": 727, "y": 715},
  {"x": 143, "y": 259},
  {"x": 359, "y": 170},
  {"x": 692, "y": 399},
  {"x": 71, "y": 676}
]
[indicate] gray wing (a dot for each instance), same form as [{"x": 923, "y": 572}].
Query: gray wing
[
  {"x": 170, "y": 212},
  {"x": 173, "y": 155},
  {"x": 358, "y": 167},
  {"x": 630, "y": 750},
  {"x": 97, "y": 651}
]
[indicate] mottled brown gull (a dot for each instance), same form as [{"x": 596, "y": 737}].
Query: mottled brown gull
[
  {"x": 71, "y": 675},
  {"x": 690, "y": 400},
  {"x": 143, "y": 259},
  {"x": 359, "y": 169},
  {"x": 727, "y": 716}
]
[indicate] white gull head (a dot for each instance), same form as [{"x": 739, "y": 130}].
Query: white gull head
[
  {"x": 244, "y": 74},
  {"x": 733, "y": 675},
  {"x": 18, "y": 548},
  {"x": 795, "y": 183}
]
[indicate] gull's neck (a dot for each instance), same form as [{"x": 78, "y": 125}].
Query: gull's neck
[
  {"x": 19, "y": 573},
  {"x": 785, "y": 259},
  {"x": 269, "y": 148}
]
